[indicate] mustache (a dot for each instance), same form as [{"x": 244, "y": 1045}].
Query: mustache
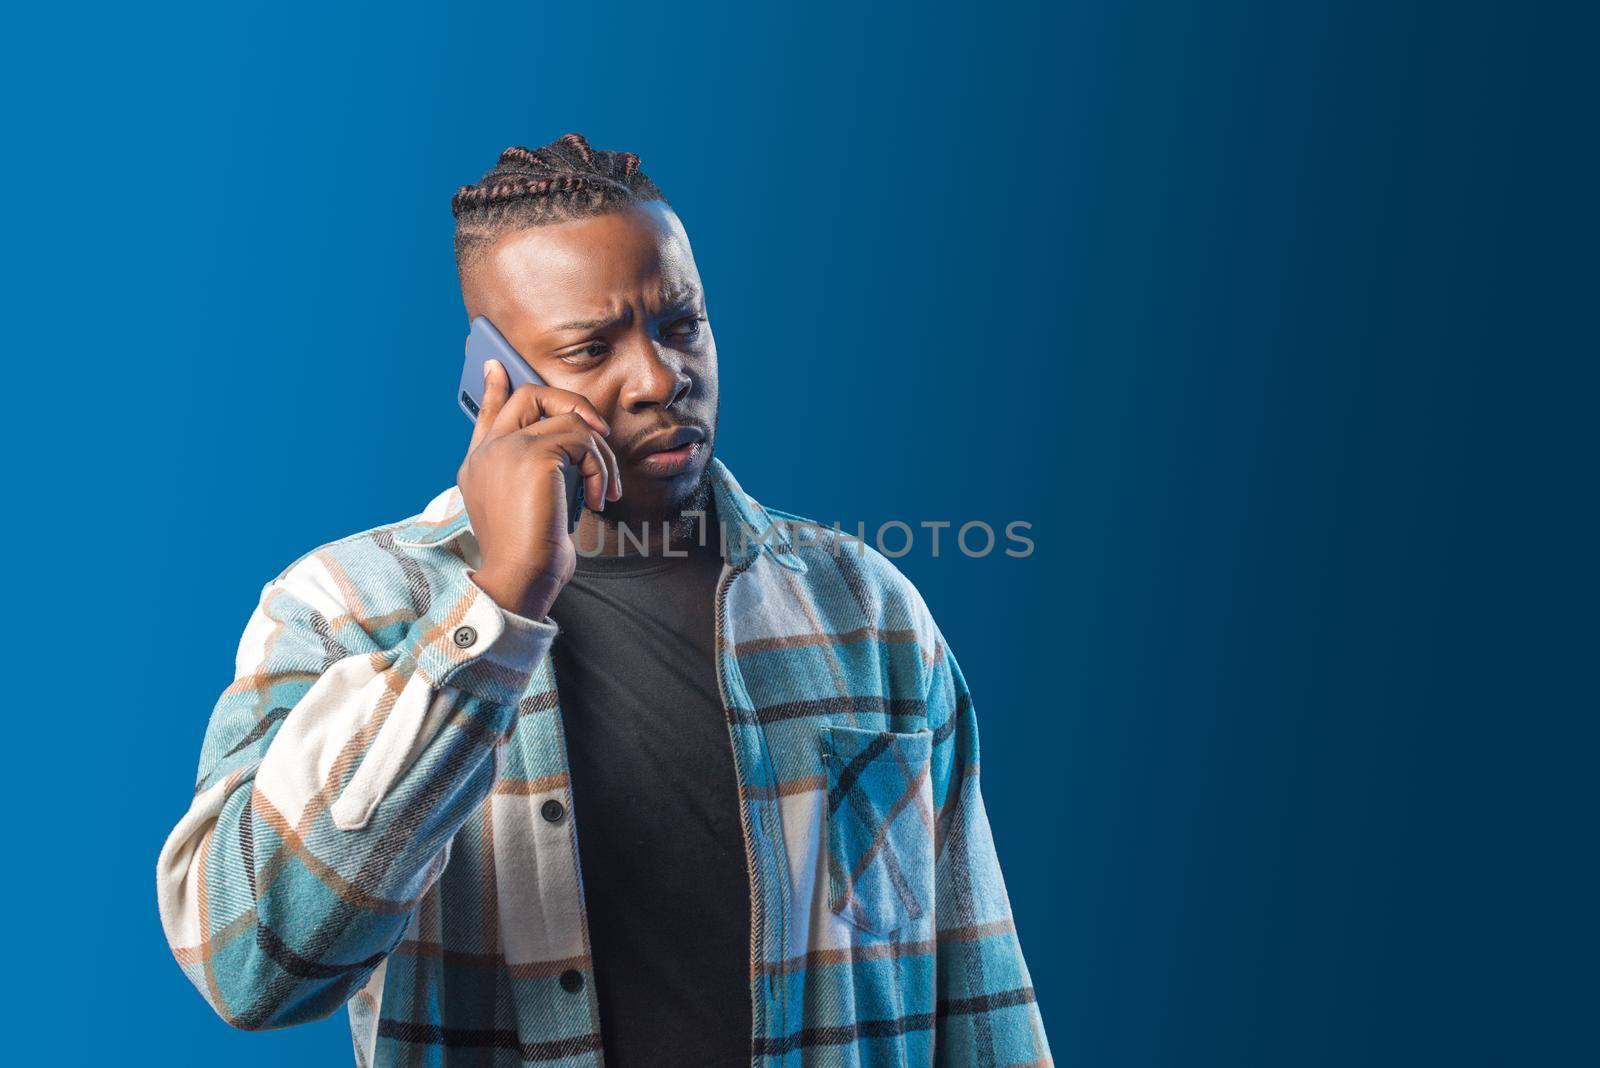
[{"x": 631, "y": 443}]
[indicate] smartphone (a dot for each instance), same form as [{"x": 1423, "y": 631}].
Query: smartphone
[{"x": 486, "y": 343}]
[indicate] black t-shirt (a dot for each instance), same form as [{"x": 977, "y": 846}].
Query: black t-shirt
[{"x": 656, "y": 806}]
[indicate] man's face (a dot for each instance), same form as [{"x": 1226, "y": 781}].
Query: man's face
[{"x": 612, "y": 307}]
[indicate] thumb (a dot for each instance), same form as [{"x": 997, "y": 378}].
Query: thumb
[{"x": 496, "y": 390}]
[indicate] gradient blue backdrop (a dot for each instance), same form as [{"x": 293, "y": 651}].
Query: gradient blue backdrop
[{"x": 1258, "y": 312}]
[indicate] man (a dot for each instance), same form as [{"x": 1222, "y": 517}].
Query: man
[{"x": 705, "y": 794}]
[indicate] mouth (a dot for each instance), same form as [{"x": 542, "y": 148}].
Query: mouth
[{"x": 667, "y": 455}]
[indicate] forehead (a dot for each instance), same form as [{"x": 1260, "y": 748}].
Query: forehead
[{"x": 582, "y": 266}]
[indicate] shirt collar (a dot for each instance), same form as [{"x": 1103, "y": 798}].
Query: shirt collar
[{"x": 751, "y": 529}]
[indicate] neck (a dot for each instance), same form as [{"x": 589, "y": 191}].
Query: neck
[{"x": 598, "y": 536}]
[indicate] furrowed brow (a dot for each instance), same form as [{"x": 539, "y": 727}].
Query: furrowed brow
[
  {"x": 594, "y": 324},
  {"x": 679, "y": 296},
  {"x": 671, "y": 297}
]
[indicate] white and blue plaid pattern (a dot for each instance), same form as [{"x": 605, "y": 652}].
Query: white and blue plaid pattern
[{"x": 366, "y": 832}]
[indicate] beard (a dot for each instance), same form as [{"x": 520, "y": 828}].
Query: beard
[
  {"x": 700, "y": 498},
  {"x": 670, "y": 514}
]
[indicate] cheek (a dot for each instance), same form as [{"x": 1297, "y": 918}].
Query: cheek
[
  {"x": 605, "y": 393},
  {"x": 705, "y": 375}
]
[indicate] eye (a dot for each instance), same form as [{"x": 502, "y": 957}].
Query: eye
[
  {"x": 687, "y": 328},
  {"x": 585, "y": 355}
]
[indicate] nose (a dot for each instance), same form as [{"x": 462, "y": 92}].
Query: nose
[{"x": 653, "y": 382}]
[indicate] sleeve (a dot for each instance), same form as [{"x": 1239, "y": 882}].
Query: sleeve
[
  {"x": 333, "y": 775},
  {"x": 986, "y": 1012}
]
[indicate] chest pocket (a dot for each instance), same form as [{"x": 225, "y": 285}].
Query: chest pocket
[{"x": 880, "y": 825}]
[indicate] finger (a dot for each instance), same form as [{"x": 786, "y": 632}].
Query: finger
[
  {"x": 597, "y": 480},
  {"x": 530, "y": 403},
  {"x": 614, "y": 467},
  {"x": 496, "y": 388},
  {"x": 581, "y": 446},
  {"x": 595, "y": 494},
  {"x": 597, "y": 485}
]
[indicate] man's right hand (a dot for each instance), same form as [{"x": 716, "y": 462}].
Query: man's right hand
[{"x": 513, "y": 481}]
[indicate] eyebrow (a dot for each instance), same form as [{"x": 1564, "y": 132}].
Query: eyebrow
[{"x": 671, "y": 297}]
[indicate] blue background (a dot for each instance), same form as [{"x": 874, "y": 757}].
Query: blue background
[{"x": 1272, "y": 319}]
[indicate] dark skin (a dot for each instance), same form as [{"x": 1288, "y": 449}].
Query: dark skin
[{"x": 640, "y": 375}]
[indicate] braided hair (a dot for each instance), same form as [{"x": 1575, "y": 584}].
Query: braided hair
[{"x": 563, "y": 180}]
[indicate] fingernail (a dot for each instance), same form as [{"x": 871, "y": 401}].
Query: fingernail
[{"x": 486, "y": 365}]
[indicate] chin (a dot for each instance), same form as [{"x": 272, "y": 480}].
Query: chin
[
  {"x": 690, "y": 489},
  {"x": 662, "y": 499}
]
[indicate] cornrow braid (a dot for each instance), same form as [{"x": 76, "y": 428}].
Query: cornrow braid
[{"x": 565, "y": 179}]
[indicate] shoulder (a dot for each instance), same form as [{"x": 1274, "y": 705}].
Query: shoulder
[
  {"x": 863, "y": 579},
  {"x": 365, "y": 571}
]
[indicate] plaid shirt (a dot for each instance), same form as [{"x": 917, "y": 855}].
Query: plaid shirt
[{"x": 383, "y": 819}]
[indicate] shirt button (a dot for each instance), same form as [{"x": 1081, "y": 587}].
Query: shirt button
[
  {"x": 552, "y": 810},
  {"x": 465, "y": 636},
  {"x": 572, "y": 979}
]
